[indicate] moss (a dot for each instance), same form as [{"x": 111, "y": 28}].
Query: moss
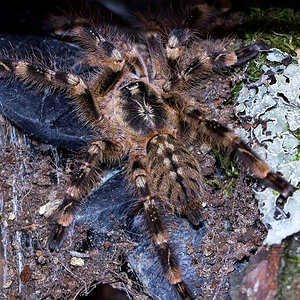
[
  {"x": 293, "y": 258},
  {"x": 297, "y": 134},
  {"x": 213, "y": 182},
  {"x": 229, "y": 186},
  {"x": 230, "y": 168},
  {"x": 278, "y": 27},
  {"x": 289, "y": 277},
  {"x": 234, "y": 91},
  {"x": 298, "y": 153},
  {"x": 254, "y": 69},
  {"x": 228, "y": 165}
]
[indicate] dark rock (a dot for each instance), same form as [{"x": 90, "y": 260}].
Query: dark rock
[{"x": 45, "y": 116}]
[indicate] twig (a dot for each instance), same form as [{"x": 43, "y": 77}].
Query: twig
[{"x": 74, "y": 275}]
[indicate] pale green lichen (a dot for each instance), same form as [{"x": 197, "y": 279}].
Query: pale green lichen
[{"x": 273, "y": 111}]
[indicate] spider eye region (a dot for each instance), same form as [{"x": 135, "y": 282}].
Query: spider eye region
[{"x": 142, "y": 108}]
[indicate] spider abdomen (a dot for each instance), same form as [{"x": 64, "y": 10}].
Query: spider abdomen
[{"x": 176, "y": 175}]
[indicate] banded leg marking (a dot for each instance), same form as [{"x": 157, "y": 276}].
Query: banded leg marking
[
  {"x": 43, "y": 77},
  {"x": 200, "y": 66},
  {"x": 88, "y": 176},
  {"x": 153, "y": 211},
  {"x": 221, "y": 135}
]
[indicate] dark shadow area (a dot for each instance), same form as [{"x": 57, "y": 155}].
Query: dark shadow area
[
  {"x": 28, "y": 17},
  {"x": 103, "y": 292}
]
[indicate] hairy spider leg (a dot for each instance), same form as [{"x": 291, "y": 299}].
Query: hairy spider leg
[
  {"x": 201, "y": 65},
  {"x": 101, "y": 51},
  {"x": 164, "y": 55},
  {"x": 43, "y": 77},
  {"x": 257, "y": 167},
  {"x": 153, "y": 212},
  {"x": 88, "y": 177},
  {"x": 220, "y": 135},
  {"x": 193, "y": 17},
  {"x": 88, "y": 174}
]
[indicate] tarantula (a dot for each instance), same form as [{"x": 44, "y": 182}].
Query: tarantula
[{"x": 140, "y": 101}]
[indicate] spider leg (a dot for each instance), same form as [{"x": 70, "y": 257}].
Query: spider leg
[
  {"x": 112, "y": 58},
  {"x": 43, "y": 77},
  {"x": 135, "y": 61},
  {"x": 157, "y": 54},
  {"x": 193, "y": 17},
  {"x": 100, "y": 50},
  {"x": 153, "y": 211},
  {"x": 153, "y": 28},
  {"x": 103, "y": 52},
  {"x": 175, "y": 46},
  {"x": 202, "y": 56},
  {"x": 201, "y": 65},
  {"x": 88, "y": 176},
  {"x": 164, "y": 56},
  {"x": 227, "y": 59},
  {"x": 220, "y": 135},
  {"x": 196, "y": 16}
]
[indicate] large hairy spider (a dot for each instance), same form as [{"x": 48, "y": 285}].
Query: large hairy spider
[{"x": 141, "y": 101}]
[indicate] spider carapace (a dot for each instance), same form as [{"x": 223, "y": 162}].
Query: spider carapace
[{"x": 141, "y": 100}]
